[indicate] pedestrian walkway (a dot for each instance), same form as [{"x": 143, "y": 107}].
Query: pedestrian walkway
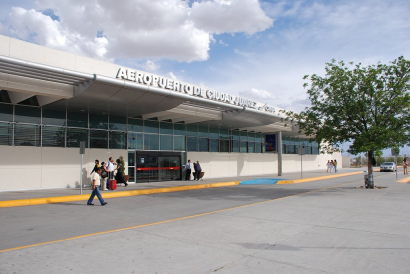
[{"x": 48, "y": 196}]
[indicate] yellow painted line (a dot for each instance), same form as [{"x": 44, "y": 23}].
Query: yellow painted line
[
  {"x": 118, "y": 194},
  {"x": 167, "y": 221},
  {"x": 299, "y": 181},
  {"x": 405, "y": 180}
]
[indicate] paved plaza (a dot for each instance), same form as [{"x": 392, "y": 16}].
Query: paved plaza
[{"x": 322, "y": 226}]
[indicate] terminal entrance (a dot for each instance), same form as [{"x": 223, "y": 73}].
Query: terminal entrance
[{"x": 158, "y": 166}]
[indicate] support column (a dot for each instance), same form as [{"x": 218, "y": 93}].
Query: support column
[{"x": 279, "y": 149}]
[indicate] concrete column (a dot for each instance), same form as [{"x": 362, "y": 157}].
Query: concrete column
[{"x": 279, "y": 149}]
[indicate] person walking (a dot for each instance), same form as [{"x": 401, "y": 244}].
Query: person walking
[
  {"x": 335, "y": 164},
  {"x": 110, "y": 168},
  {"x": 96, "y": 188},
  {"x": 97, "y": 165},
  {"x": 188, "y": 168},
  {"x": 198, "y": 170},
  {"x": 332, "y": 165},
  {"x": 405, "y": 165},
  {"x": 120, "y": 174},
  {"x": 328, "y": 167}
]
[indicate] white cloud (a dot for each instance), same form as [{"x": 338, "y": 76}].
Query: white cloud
[
  {"x": 223, "y": 43},
  {"x": 257, "y": 94},
  {"x": 135, "y": 29},
  {"x": 172, "y": 75},
  {"x": 150, "y": 66},
  {"x": 221, "y": 16}
]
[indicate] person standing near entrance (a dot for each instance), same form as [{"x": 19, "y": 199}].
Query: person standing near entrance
[
  {"x": 198, "y": 170},
  {"x": 110, "y": 168},
  {"x": 188, "y": 168},
  {"x": 96, "y": 188}
]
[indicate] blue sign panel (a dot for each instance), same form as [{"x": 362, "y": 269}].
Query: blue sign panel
[{"x": 270, "y": 143}]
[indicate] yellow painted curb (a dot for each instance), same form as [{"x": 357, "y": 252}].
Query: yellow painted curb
[
  {"x": 299, "y": 181},
  {"x": 404, "y": 180},
  {"x": 84, "y": 197}
]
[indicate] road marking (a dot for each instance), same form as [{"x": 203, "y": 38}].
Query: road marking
[
  {"x": 299, "y": 181},
  {"x": 405, "y": 180},
  {"x": 168, "y": 221}
]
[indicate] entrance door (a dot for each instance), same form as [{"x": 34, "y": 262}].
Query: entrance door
[
  {"x": 147, "y": 168},
  {"x": 169, "y": 168},
  {"x": 158, "y": 166}
]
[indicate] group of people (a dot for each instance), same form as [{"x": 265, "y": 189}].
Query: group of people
[
  {"x": 197, "y": 171},
  {"x": 331, "y": 166},
  {"x": 102, "y": 175}
]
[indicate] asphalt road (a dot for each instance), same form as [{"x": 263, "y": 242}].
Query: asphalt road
[{"x": 327, "y": 226}]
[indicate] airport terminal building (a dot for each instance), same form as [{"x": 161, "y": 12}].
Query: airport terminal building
[{"x": 50, "y": 101}]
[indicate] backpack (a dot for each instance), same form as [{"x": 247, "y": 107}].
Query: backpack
[{"x": 104, "y": 173}]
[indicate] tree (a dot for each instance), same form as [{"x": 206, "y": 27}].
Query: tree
[{"x": 366, "y": 105}]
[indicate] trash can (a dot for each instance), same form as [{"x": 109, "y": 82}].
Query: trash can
[{"x": 368, "y": 181}]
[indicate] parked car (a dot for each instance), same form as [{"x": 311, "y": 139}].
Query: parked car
[{"x": 388, "y": 166}]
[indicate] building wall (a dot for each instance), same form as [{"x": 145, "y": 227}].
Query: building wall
[
  {"x": 216, "y": 165},
  {"x": 46, "y": 167}
]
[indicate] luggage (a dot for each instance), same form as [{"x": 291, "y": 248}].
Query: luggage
[
  {"x": 112, "y": 184},
  {"x": 201, "y": 175}
]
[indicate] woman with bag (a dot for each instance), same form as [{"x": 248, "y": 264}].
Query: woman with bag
[
  {"x": 104, "y": 175},
  {"x": 119, "y": 177}
]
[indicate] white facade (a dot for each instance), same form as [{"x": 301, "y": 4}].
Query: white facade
[{"x": 93, "y": 85}]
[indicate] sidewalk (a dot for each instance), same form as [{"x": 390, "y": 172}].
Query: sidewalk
[{"x": 44, "y": 196}]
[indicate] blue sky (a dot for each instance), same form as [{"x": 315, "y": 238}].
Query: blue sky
[{"x": 256, "y": 49}]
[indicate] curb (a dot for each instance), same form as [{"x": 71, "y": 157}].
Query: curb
[
  {"x": 84, "y": 197},
  {"x": 404, "y": 180},
  {"x": 299, "y": 181}
]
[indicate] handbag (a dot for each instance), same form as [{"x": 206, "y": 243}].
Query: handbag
[{"x": 104, "y": 174}]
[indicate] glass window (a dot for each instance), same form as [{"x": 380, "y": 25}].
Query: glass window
[
  {"x": 24, "y": 114},
  {"x": 75, "y": 136},
  {"x": 53, "y": 117},
  {"x": 26, "y": 135},
  {"x": 98, "y": 121},
  {"x": 203, "y": 131},
  {"x": 165, "y": 128},
  {"x": 166, "y": 142},
  {"x": 251, "y": 147},
  {"x": 118, "y": 123},
  {"x": 235, "y": 135},
  {"x": 258, "y": 147},
  {"x": 131, "y": 158},
  {"x": 224, "y": 145},
  {"x": 179, "y": 129},
  {"x": 191, "y": 130},
  {"x": 213, "y": 133},
  {"x": 6, "y": 112},
  {"x": 151, "y": 126},
  {"x": 117, "y": 140},
  {"x": 135, "y": 125},
  {"x": 192, "y": 143},
  {"x": 259, "y": 137},
  {"x": 131, "y": 171},
  {"x": 151, "y": 142},
  {"x": 179, "y": 143},
  {"x": 244, "y": 146},
  {"x": 6, "y": 133},
  {"x": 77, "y": 119},
  {"x": 235, "y": 146},
  {"x": 244, "y": 136},
  {"x": 203, "y": 144},
  {"x": 135, "y": 140},
  {"x": 98, "y": 139},
  {"x": 223, "y": 133},
  {"x": 53, "y": 137},
  {"x": 214, "y": 145},
  {"x": 251, "y": 137}
]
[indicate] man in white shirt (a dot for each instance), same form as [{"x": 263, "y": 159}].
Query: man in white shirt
[
  {"x": 110, "y": 168},
  {"x": 188, "y": 168},
  {"x": 96, "y": 188}
]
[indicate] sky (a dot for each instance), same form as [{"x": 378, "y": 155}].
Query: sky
[{"x": 256, "y": 49}]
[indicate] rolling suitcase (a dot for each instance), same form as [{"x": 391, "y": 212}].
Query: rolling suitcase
[{"x": 112, "y": 184}]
